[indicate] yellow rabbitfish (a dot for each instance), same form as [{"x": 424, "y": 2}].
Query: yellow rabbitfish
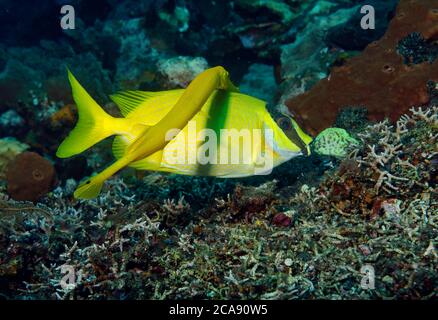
[{"x": 206, "y": 129}]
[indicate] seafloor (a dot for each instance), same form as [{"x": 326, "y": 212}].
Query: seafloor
[{"x": 359, "y": 226}]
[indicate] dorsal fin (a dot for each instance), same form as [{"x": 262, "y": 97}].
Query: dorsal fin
[{"x": 128, "y": 101}]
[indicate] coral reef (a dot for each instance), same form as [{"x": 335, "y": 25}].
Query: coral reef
[
  {"x": 308, "y": 58},
  {"x": 122, "y": 46},
  {"x": 178, "y": 19},
  {"x": 352, "y": 119},
  {"x": 378, "y": 209},
  {"x": 366, "y": 196},
  {"x": 260, "y": 82},
  {"x": 349, "y": 36},
  {"x": 379, "y": 69},
  {"x": 276, "y": 7},
  {"x": 20, "y": 77},
  {"x": 397, "y": 168},
  {"x": 9, "y": 149},
  {"x": 29, "y": 177},
  {"x": 415, "y": 49},
  {"x": 180, "y": 71},
  {"x": 10, "y": 123}
]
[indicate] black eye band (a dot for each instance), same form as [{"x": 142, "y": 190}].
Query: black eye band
[{"x": 284, "y": 123}]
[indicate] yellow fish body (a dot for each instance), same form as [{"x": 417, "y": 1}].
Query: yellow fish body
[
  {"x": 229, "y": 124},
  {"x": 206, "y": 129}
]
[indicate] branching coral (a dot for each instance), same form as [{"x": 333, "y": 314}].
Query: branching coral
[
  {"x": 125, "y": 244},
  {"x": 391, "y": 161},
  {"x": 394, "y": 163}
]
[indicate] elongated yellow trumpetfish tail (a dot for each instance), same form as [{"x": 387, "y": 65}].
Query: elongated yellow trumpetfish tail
[
  {"x": 91, "y": 187},
  {"x": 94, "y": 123},
  {"x": 190, "y": 103},
  {"x": 88, "y": 190}
]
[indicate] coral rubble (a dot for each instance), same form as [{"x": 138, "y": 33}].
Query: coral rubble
[{"x": 378, "y": 209}]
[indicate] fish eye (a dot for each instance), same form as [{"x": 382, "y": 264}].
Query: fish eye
[{"x": 284, "y": 123}]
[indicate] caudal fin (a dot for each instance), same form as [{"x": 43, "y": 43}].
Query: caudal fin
[{"x": 94, "y": 123}]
